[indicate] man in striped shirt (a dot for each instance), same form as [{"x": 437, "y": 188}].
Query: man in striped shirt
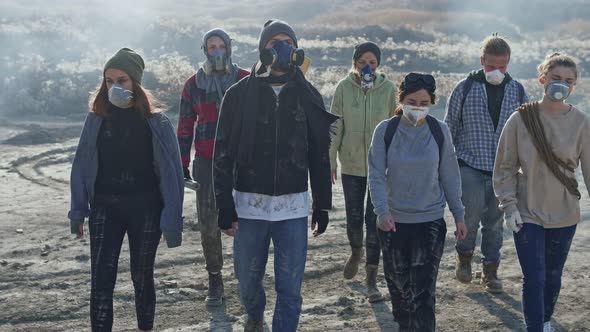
[{"x": 201, "y": 97}]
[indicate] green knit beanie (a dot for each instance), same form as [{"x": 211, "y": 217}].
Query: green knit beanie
[{"x": 128, "y": 61}]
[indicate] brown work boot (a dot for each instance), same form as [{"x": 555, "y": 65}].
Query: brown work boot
[
  {"x": 373, "y": 292},
  {"x": 352, "y": 264},
  {"x": 215, "y": 291},
  {"x": 489, "y": 277},
  {"x": 463, "y": 266},
  {"x": 254, "y": 325}
]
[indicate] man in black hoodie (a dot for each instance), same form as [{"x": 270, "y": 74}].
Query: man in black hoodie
[
  {"x": 272, "y": 134},
  {"x": 476, "y": 113}
]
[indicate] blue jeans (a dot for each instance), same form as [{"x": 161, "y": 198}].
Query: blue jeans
[
  {"x": 542, "y": 254},
  {"x": 251, "y": 243},
  {"x": 481, "y": 205}
]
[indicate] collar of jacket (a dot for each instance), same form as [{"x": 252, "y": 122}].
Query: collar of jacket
[{"x": 380, "y": 79}]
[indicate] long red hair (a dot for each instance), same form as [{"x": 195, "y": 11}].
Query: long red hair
[{"x": 143, "y": 101}]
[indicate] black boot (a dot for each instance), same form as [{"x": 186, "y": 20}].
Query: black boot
[{"x": 215, "y": 292}]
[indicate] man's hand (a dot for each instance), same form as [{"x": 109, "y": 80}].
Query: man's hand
[
  {"x": 227, "y": 220},
  {"x": 319, "y": 222},
  {"x": 230, "y": 232},
  {"x": 461, "y": 231},
  {"x": 77, "y": 227},
  {"x": 386, "y": 223}
]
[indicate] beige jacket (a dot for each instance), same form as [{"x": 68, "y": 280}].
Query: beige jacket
[{"x": 522, "y": 180}]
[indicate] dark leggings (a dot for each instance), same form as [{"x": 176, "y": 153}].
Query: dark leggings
[
  {"x": 355, "y": 188},
  {"x": 411, "y": 257},
  {"x": 111, "y": 217}
]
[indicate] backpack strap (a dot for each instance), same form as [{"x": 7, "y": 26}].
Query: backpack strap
[
  {"x": 433, "y": 125},
  {"x": 466, "y": 89},
  {"x": 390, "y": 131},
  {"x": 437, "y": 133}
]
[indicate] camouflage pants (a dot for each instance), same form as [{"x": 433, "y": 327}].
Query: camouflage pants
[{"x": 207, "y": 215}]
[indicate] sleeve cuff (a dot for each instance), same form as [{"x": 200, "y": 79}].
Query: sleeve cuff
[
  {"x": 380, "y": 212},
  {"x": 173, "y": 239},
  {"x": 77, "y": 215}
]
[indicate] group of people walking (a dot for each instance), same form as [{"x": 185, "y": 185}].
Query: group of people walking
[{"x": 267, "y": 152}]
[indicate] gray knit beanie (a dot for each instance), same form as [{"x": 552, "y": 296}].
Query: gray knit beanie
[
  {"x": 128, "y": 61},
  {"x": 272, "y": 28}
]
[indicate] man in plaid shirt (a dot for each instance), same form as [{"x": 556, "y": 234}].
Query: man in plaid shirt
[
  {"x": 199, "y": 103},
  {"x": 476, "y": 113}
]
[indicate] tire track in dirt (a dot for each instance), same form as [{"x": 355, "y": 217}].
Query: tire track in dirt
[{"x": 32, "y": 167}]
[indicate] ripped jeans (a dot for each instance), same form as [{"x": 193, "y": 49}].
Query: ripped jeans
[
  {"x": 411, "y": 257},
  {"x": 542, "y": 253},
  {"x": 251, "y": 244},
  {"x": 111, "y": 217}
]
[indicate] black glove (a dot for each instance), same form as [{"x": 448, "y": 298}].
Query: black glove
[
  {"x": 187, "y": 173},
  {"x": 226, "y": 218},
  {"x": 319, "y": 217}
]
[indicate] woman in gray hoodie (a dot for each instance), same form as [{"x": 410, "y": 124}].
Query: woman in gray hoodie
[{"x": 413, "y": 173}]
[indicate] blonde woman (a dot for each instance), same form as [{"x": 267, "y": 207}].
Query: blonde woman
[{"x": 540, "y": 148}]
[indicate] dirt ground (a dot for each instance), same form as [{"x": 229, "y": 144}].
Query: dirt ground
[{"x": 45, "y": 271}]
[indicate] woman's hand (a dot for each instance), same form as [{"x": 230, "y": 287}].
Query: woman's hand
[
  {"x": 334, "y": 176},
  {"x": 461, "y": 232},
  {"x": 386, "y": 223}
]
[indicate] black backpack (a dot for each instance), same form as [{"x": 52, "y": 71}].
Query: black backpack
[{"x": 433, "y": 125}]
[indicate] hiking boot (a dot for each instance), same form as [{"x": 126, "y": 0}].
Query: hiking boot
[
  {"x": 463, "y": 266},
  {"x": 489, "y": 277},
  {"x": 373, "y": 292},
  {"x": 254, "y": 325},
  {"x": 352, "y": 264},
  {"x": 215, "y": 291}
]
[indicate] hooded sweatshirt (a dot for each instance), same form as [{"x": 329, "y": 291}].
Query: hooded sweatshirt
[
  {"x": 495, "y": 93},
  {"x": 360, "y": 113}
]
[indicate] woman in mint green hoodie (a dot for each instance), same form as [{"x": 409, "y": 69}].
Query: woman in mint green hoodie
[{"x": 362, "y": 100}]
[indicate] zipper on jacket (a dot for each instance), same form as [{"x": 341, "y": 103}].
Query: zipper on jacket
[
  {"x": 365, "y": 134},
  {"x": 276, "y": 140}
]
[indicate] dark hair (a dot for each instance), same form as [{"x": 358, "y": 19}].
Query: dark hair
[
  {"x": 557, "y": 59},
  {"x": 143, "y": 101},
  {"x": 405, "y": 89}
]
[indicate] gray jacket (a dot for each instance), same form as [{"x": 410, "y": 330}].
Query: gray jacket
[{"x": 166, "y": 162}]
